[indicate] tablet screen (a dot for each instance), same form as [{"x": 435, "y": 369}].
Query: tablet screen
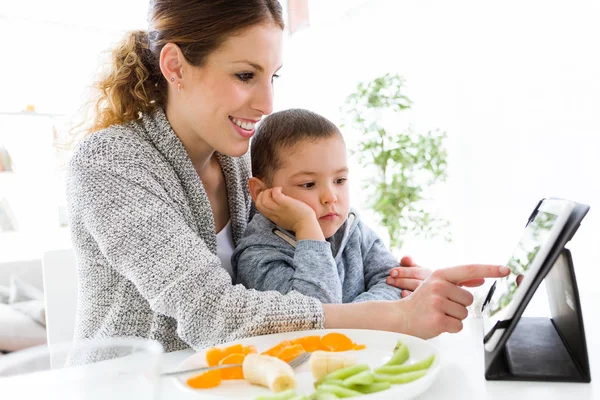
[
  {"x": 528, "y": 257},
  {"x": 535, "y": 236}
]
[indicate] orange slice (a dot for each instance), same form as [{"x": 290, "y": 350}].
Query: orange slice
[
  {"x": 214, "y": 355},
  {"x": 232, "y": 373},
  {"x": 234, "y": 349},
  {"x": 206, "y": 380},
  {"x": 275, "y": 350},
  {"x": 337, "y": 342},
  {"x": 310, "y": 343},
  {"x": 250, "y": 349},
  {"x": 291, "y": 352}
]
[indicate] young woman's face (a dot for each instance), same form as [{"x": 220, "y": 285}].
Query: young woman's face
[
  {"x": 316, "y": 173},
  {"x": 233, "y": 90}
]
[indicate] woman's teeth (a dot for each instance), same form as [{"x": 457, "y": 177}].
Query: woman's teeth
[{"x": 244, "y": 125}]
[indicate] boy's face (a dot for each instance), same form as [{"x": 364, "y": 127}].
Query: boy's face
[{"x": 316, "y": 173}]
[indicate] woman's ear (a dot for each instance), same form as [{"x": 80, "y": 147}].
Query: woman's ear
[
  {"x": 256, "y": 186},
  {"x": 171, "y": 63}
]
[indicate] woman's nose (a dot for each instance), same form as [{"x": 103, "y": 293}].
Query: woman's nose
[{"x": 263, "y": 99}]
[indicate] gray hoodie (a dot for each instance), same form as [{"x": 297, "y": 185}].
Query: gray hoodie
[{"x": 350, "y": 266}]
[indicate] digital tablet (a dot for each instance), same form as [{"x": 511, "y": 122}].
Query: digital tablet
[{"x": 544, "y": 226}]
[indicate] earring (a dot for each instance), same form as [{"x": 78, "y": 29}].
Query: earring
[
  {"x": 172, "y": 79},
  {"x": 179, "y": 88}
]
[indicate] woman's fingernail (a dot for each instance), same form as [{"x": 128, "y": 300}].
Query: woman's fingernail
[
  {"x": 395, "y": 273},
  {"x": 504, "y": 270}
]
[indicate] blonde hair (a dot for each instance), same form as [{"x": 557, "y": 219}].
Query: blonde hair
[
  {"x": 130, "y": 87},
  {"x": 133, "y": 84}
]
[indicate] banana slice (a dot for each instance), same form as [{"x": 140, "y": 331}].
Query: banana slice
[
  {"x": 269, "y": 371},
  {"x": 324, "y": 362}
]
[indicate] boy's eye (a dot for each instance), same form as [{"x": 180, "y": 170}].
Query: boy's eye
[
  {"x": 307, "y": 185},
  {"x": 341, "y": 181},
  {"x": 245, "y": 76}
]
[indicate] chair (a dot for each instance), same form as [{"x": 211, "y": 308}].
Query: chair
[{"x": 60, "y": 294}]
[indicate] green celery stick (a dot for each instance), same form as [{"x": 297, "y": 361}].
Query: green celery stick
[
  {"x": 398, "y": 345},
  {"x": 401, "y": 354},
  {"x": 362, "y": 378},
  {"x": 398, "y": 369},
  {"x": 344, "y": 373},
  {"x": 339, "y": 382},
  {"x": 285, "y": 395},
  {"x": 339, "y": 391},
  {"x": 400, "y": 378},
  {"x": 372, "y": 388},
  {"x": 324, "y": 396}
]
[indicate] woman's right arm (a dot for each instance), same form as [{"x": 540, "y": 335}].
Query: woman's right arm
[
  {"x": 142, "y": 234},
  {"x": 438, "y": 305},
  {"x": 139, "y": 230}
]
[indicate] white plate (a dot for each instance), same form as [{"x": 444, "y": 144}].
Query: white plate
[{"x": 380, "y": 346}]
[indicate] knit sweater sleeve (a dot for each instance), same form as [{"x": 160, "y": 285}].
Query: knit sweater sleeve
[{"x": 143, "y": 236}]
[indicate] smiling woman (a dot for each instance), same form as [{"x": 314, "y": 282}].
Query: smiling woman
[
  {"x": 158, "y": 197},
  {"x": 157, "y": 176},
  {"x": 228, "y": 95}
]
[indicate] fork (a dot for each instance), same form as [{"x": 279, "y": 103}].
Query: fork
[{"x": 296, "y": 362}]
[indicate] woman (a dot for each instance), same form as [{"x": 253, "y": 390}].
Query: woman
[{"x": 158, "y": 199}]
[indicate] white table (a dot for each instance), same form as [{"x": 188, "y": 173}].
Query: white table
[
  {"x": 462, "y": 373},
  {"x": 462, "y": 354}
]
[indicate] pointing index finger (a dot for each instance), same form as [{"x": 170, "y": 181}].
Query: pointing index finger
[{"x": 463, "y": 273}]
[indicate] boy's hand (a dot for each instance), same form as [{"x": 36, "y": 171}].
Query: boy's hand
[
  {"x": 408, "y": 276},
  {"x": 289, "y": 213}
]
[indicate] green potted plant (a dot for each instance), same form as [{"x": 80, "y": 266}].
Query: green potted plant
[{"x": 403, "y": 162}]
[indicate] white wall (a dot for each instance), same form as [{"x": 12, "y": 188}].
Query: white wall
[
  {"x": 515, "y": 84},
  {"x": 54, "y": 48},
  {"x": 51, "y": 51}
]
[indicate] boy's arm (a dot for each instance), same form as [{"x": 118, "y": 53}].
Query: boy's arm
[
  {"x": 377, "y": 263},
  {"x": 311, "y": 270}
]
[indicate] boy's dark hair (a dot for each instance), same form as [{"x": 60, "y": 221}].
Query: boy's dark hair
[{"x": 284, "y": 129}]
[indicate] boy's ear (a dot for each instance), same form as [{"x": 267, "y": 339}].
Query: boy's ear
[{"x": 255, "y": 185}]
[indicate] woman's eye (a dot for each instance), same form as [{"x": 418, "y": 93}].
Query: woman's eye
[
  {"x": 245, "y": 77},
  {"x": 307, "y": 185},
  {"x": 341, "y": 181}
]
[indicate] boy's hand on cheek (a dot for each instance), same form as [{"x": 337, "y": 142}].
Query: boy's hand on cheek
[{"x": 289, "y": 213}]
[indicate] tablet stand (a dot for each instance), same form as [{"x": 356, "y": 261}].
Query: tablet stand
[{"x": 545, "y": 349}]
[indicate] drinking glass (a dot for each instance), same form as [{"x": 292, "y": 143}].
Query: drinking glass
[{"x": 94, "y": 369}]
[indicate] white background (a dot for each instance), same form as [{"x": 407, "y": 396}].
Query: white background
[{"x": 515, "y": 84}]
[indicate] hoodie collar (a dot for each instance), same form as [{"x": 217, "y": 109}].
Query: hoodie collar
[{"x": 338, "y": 241}]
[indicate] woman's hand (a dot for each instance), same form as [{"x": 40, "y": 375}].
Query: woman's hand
[
  {"x": 408, "y": 276},
  {"x": 437, "y": 305}
]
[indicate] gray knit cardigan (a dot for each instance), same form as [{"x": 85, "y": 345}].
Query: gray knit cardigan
[{"x": 146, "y": 249}]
